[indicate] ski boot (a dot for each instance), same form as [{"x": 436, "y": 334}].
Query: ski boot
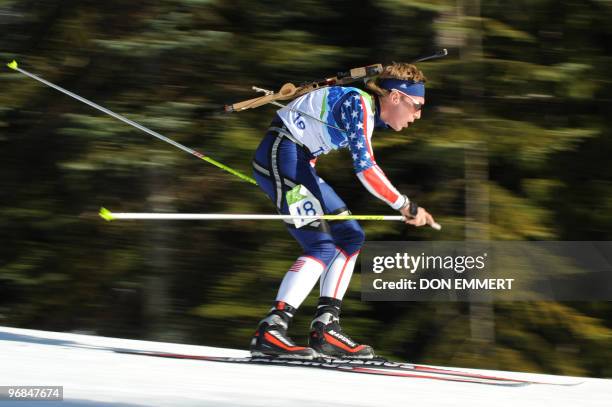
[
  {"x": 328, "y": 340},
  {"x": 271, "y": 340}
]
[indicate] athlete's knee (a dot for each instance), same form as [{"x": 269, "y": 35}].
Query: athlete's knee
[
  {"x": 348, "y": 235},
  {"x": 322, "y": 250},
  {"x": 357, "y": 237}
]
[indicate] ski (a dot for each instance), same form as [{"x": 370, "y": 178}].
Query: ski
[
  {"x": 373, "y": 367},
  {"x": 389, "y": 365}
]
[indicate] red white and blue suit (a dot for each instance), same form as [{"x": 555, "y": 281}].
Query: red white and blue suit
[{"x": 286, "y": 158}]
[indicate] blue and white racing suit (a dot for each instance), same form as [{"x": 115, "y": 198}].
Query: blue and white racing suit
[{"x": 286, "y": 158}]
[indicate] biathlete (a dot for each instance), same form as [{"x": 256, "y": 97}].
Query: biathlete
[{"x": 314, "y": 124}]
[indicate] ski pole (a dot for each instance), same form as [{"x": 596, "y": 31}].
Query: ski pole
[
  {"x": 13, "y": 65},
  {"x": 109, "y": 216}
]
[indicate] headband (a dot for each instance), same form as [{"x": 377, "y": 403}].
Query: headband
[{"x": 407, "y": 87}]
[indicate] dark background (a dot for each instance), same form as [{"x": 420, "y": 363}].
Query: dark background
[{"x": 514, "y": 144}]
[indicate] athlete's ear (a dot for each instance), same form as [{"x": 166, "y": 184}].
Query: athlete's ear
[{"x": 395, "y": 97}]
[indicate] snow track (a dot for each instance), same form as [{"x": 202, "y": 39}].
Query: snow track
[{"x": 93, "y": 375}]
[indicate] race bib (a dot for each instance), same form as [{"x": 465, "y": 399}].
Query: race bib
[{"x": 302, "y": 202}]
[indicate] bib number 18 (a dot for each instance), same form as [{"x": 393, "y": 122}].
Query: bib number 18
[{"x": 302, "y": 202}]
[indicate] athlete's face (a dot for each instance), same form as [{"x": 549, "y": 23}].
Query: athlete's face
[{"x": 399, "y": 110}]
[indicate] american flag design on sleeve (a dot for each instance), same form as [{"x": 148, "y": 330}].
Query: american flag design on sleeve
[{"x": 359, "y": 124}]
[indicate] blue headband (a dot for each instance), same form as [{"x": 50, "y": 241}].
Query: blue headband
[{"x": 408, "y": 87}]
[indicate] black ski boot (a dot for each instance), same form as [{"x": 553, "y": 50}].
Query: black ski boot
[
  {"x": 271, "y": 338},
  {"x": 327, "y": 338}
]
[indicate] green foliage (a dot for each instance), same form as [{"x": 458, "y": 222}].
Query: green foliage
[{"x": 533, "y": 101}]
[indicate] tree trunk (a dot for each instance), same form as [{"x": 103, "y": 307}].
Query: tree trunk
[{"x": 482, "y": 319}]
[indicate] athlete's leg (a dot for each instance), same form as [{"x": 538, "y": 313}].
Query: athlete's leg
[
  {"x": 348, "y": 238},
  {"x": 326, "y": 335},
  {"x": 279, "y": 166}
]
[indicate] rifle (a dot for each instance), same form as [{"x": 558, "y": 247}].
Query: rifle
[{"x": 290, "y": 91}]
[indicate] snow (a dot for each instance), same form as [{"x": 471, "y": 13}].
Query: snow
[{"x": 92, "y": 375}]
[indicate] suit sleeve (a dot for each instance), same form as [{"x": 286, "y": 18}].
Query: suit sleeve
[{"x": 355, "y": 118}]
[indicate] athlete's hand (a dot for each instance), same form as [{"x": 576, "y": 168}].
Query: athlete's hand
[{"x": 422, "y": 217}]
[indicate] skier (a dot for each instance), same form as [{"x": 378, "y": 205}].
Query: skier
[{"x": 316, "y": 123}]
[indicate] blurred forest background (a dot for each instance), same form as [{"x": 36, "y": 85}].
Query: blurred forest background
[{"x": 514, "y": 144}]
